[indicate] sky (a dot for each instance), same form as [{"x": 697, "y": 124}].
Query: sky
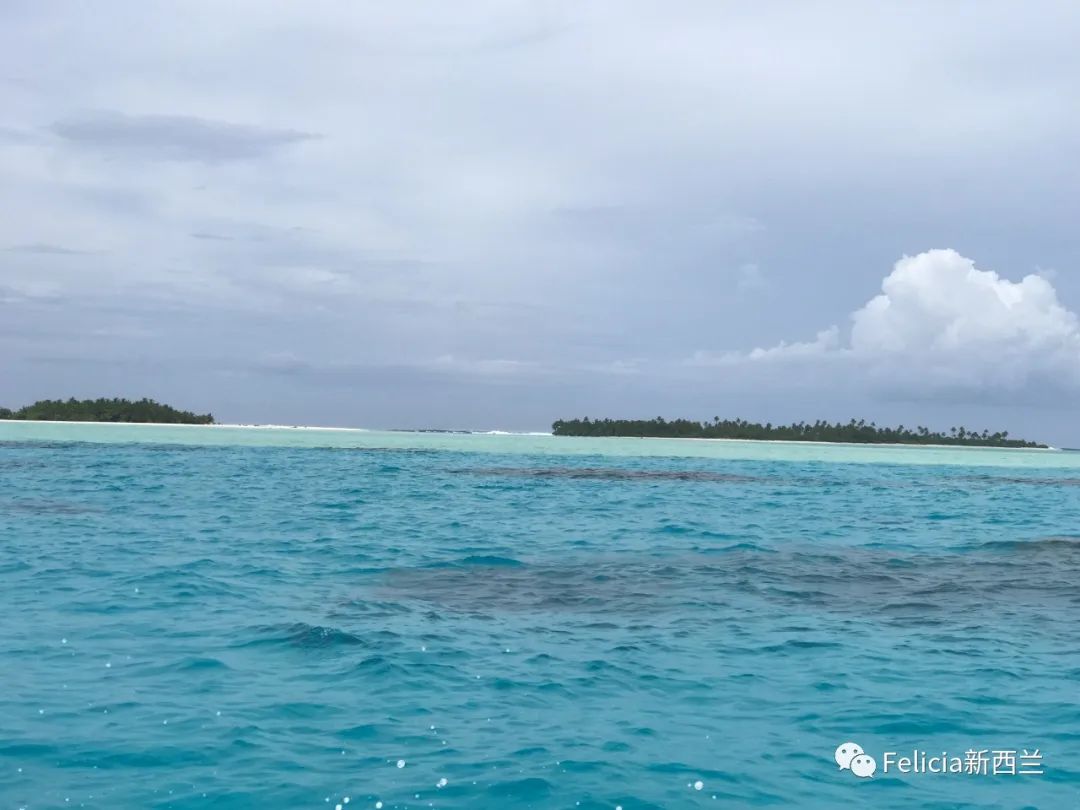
[{"x": 491, "y": 215}]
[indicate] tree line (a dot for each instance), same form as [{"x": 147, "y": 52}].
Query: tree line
[
  {"x": 105, "y": 410},
  {"x": 855, "y": 432}
]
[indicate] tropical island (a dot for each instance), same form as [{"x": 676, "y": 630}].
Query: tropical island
[
  {"x": 105, "y": 410},
  {"x": 853, "y": 432}
]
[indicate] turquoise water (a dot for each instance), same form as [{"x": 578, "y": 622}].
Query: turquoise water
[{"x": 229, "y": 618}]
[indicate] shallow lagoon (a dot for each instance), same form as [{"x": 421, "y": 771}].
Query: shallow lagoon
[{"x": 233, "y": 617}]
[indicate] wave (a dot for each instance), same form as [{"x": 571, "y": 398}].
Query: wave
[
  {"x": 491, "y": 560},
  {"x": 303, "y": 636},
  {"x": 1057, "y": 543},
  {"x": 615, "y": 474}
]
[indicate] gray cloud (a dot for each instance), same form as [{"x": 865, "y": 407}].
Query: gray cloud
[
  {"x": 174, "y": 137},
  {"x": 47, "y": 250},
  {"x": 11, "y": 135},
  {"x": 214, "y": 237}
]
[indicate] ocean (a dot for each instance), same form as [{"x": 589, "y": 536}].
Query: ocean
[{"x": 209, "y": 617}]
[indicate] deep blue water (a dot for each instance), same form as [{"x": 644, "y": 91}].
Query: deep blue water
[{"x": 261, "y": 627}]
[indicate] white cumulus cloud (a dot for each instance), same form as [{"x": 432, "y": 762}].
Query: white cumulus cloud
[{"x": 942, "y": 324}]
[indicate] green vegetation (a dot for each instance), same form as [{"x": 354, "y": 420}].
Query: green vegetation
[
  {"x": 105, "y": 410},
  {"x": 854, "y": 432}
]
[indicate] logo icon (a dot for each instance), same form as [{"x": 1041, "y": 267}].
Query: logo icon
[{"x": 851, "y": 757}]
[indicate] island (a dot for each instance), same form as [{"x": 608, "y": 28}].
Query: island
[
  {"x": 105, "y": 410},
  {"x": 853, "y": 432}
]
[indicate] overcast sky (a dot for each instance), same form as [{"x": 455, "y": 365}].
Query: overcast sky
[{"x": 495, "y": 214}]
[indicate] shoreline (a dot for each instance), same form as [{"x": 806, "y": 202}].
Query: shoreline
[
  {"x": 537, "y": 434},
  {"x": 823, "y": 444}
]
